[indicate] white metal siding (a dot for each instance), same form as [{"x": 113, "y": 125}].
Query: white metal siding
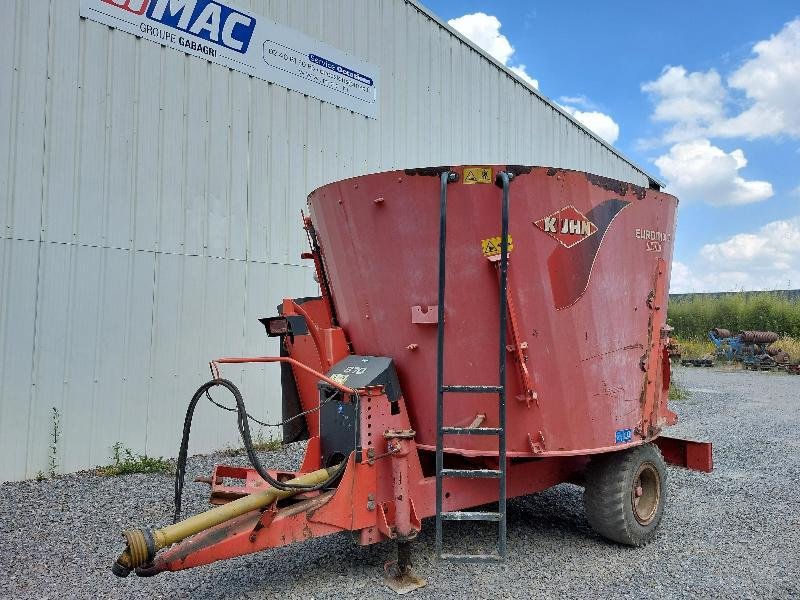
[{"x": 150, "y": 201}]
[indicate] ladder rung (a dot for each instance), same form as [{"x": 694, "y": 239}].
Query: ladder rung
[
  {"x": 473, "y": 389},
  {"x": 472, "y": 430},
  {"x": 463, "y": 515},
  {"x": 470, "y": 473},
  {"x": 472, "y": 557}
]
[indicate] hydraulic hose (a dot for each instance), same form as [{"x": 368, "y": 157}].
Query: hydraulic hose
[
  {"x": 244, "y": 430},
  {"x": 143, "y": 544}
]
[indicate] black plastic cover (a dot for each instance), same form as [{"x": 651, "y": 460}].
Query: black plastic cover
[
  {"x": 339, "y": 418},
  {"x": 363, "y": 371}
]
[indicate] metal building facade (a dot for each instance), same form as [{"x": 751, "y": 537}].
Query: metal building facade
[{"x": 150, "y": 206}]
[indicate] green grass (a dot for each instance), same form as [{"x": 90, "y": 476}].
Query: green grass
[
  {"x": 261, "y": 443},
  {"x": 695, "y": 348},
  {"x": 693, "y": 316},
  {"x": 270, "y": 444},
  {"x": 126, "y": 462},
  {"x": 677, "y": 391}
]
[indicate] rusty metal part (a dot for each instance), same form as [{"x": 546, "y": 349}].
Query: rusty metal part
[
  {"x": 618, "y": 187},
  {"x": 406, "y": 524},
  {"x": 758, "y": 337},
  {"x": 646, "y": 493},
  {"x": 720, "y": 333},
  {"x": 147, "y": 570},
  {"x": 142, "y": 545},
  {"x": 673, "y": 349},
  {"x": 399, "y": 434},
  {"x": 403, "y": 580}
]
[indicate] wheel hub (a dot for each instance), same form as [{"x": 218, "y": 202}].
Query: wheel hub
[{"x": 646, "y": 493}]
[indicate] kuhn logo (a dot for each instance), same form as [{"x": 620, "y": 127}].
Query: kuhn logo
[
  {"x": 568, "y": 226},
  {"x": 206, "y": 19}
]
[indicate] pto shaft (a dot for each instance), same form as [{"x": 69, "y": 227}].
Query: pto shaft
[{"x": 142, "y": 545}]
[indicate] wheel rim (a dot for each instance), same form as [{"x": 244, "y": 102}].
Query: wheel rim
[{"x": 646, "y": 493}]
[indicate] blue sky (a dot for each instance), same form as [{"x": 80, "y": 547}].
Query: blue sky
[{"x": 703, "y": 95}]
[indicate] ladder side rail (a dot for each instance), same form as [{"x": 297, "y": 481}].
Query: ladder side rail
[
  {"x": 505, "y": 178},
  {"x": 444, "y": 179}
]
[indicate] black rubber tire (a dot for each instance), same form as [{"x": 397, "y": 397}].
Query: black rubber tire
[{"x": 608, "y": 497}]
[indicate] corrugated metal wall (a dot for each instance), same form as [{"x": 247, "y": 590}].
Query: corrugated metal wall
[{"x": 149, "y": 206}]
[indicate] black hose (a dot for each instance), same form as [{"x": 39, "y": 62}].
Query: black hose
[{"x": 244, "y": 430}]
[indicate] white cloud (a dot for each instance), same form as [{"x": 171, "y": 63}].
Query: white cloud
[
  {"x": 682, "y": 280},
  {"x": 579, "y": 100},
  {"x": 698, "y": 104},
  {"x": 484, "y": 30},
  {"x": 692, "y": 101},
  {"x": 771, "y": 81},
  {"x": 698, "y": 170},
  {"x": 768, "y": 258},
  {"x": 601, "y": 123},
  {"x": 776, "y": 245},
  {"x": 520, "y": 70}
]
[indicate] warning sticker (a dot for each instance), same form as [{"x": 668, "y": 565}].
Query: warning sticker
[
  {"x": 477, "y": 175},
  {"x": 491, "y": 246},
  {"x": 339, "y": 378}
]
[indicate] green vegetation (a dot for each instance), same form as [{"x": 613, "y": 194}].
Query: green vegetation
[
  {"x": 693, "y": 316},
  {"x": 261, "y": 443},
  {"x": 677, "y": 391},
  {"x": 695, "y": 348},
  {"x": 126, "y": 462},
  {"x": 55, "y": 436}
]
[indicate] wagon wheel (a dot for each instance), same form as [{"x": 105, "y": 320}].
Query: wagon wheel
[{"x": 625, "y": 494}]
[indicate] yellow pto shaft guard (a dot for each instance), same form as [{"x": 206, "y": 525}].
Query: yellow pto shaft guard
[{"x": 143, "y": 544}]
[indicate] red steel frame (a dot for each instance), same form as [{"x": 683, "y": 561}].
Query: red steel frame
[{"x": 388, "y": 486}]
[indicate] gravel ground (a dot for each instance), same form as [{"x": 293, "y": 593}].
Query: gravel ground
[{"x": 731, "y": 534}]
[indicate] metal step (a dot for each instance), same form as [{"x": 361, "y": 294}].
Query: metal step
[
  {"x": 463, "y": 515},
  {"x": 472, "y": 430},
  {"x": 472, "y": 557},
  {"x": 473, "y": 389},
  {"x": 471, "y": 473}
]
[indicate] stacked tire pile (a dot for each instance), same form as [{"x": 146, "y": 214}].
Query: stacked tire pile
[{"x": 756, "y": 354}]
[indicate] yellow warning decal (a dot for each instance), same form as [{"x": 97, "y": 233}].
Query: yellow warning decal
[
  {"x": 491, "y": 246},
  {"x": 477, "y": 175}
]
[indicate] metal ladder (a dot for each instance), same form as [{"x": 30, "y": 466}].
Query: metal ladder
[{"x": 500, "y": 389}]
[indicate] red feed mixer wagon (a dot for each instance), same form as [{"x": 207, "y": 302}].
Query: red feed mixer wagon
[{"x": 482, "y": 333}]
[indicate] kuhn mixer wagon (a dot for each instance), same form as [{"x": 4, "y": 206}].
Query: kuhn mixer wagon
[{"x": 482, "y": 333}]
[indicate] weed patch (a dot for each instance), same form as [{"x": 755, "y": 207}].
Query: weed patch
[{"x": 126, "y": 462}]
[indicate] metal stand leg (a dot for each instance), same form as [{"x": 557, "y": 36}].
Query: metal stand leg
[
  {"x": 406, "y": 524},
  {"x": 404, "y": 580}
]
